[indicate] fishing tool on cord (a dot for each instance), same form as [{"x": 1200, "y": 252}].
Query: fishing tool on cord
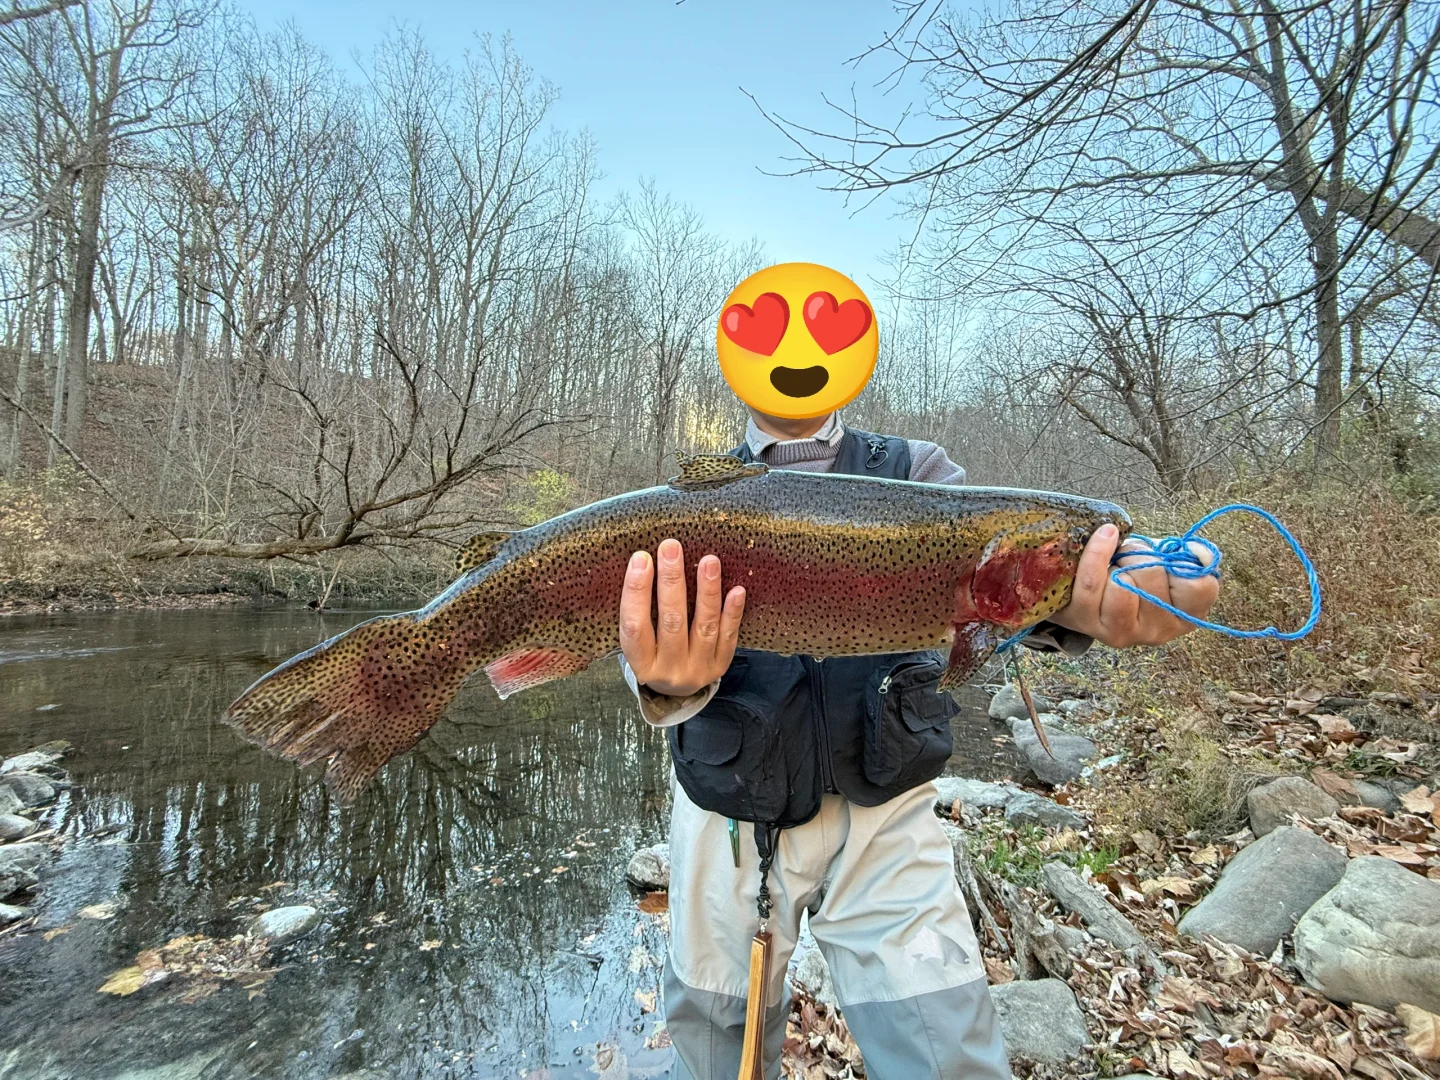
[{"x": 1175, "y": 555}]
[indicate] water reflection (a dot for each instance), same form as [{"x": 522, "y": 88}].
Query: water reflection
[
  {"x": 456, "y": 848},
  {"x": 477, "y": 921}
]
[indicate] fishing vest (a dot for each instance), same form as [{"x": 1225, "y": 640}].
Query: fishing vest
[{"x": 781, "y": 731}]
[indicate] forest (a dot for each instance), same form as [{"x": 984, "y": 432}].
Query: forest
[{"x": 255, "y": 309}]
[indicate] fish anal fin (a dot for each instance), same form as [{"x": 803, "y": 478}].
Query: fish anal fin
[
  {"x": 478, "y": 550},
  {"x": 974, "y": 643},
  {"x": 524, "y": 668},
  {"x": 712, "y": 470}
]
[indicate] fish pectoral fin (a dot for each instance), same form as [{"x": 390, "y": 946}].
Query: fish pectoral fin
[
  {"x": 711, "y": 470},
  {"x": 478, "y": 550},
  {"x": 974, "y": 643},
  {"x": 524, "y": 668}
]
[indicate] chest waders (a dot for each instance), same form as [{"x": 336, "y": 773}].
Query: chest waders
[{"x": 783, "y": 731}]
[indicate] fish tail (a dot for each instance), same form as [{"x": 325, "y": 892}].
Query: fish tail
[{"x": 359, "y": 699}]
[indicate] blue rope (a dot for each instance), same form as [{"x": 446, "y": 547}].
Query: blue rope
[{"x": 1174, "y": 555}]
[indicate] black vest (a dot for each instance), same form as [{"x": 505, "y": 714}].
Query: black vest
[{"x": 783, "y": 730}]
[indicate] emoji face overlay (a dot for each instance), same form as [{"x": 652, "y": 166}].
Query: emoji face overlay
[{"x": 797, "y": 340}]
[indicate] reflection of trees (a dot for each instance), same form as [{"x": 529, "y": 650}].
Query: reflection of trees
[{"x": 497, "y": 789}]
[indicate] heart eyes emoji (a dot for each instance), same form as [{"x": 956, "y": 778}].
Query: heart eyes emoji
[{"x": 759, "y": 328}]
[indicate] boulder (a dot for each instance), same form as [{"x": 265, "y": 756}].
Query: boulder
[
  {"x": 1073, "y": 894},
  {"x": 15, "y": 827},
  {"x": 1265, "y": 888},
  {"x": 31, "y": 788},
  {"x": 9, "y": 914},
  {"x": 649, "y": 868},
  {"x": 1374, "y": 938},
  {"x": 1076, "y": 709},
  {"x": 285, "y": 924},
  {"x": 976, "y": 794},
  {"x": 1030, "y": 809},
  {"x": 1376, "y": 795},
  {"x": 1008, "y": 703},
  {"x": 1272, "y": 805},
  {"x": 46, "y": 754},
  {"x": 1070, "y": 752},
  {"x": 14, "y": 879},
  {"x": 24, "y": 856},
  {"x": 1041, "y": 1020},
  {"x": 10, "y": 802}
]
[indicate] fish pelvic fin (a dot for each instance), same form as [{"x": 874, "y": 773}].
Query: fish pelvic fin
[
  {"x": 698, "y": 471},
  {"x": 479, "y": 550},
  {"x": 357, "y": 700},
  {"x": 974, "y": 643},
  {"x": 524, "y": 668}
]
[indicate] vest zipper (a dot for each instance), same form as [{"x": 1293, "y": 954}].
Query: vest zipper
[{"x": 822, "y": 731}]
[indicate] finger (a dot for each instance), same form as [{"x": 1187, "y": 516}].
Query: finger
[
  {"x": 672, "y": 637},
  {"x": 729, "y": 628},
  {"x": 705, "y": 628},
  {"x": 637, "y": 634},
  {"x": 1091, "y": 576}
]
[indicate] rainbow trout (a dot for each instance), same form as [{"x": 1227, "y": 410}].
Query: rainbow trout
[{"x": 833, "y": 565}]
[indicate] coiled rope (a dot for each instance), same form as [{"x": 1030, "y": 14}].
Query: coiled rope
[{"x": 1173, "y": 553}]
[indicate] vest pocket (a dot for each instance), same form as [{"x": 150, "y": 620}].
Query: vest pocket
[
  {"x": 731, "y": 761},
  {"x": 907, "y": 724}
]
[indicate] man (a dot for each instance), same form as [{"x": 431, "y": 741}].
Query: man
[{"x": 871, "y": 865}]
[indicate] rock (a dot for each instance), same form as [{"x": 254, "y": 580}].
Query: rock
[
  {"x": 10, "y": 802},
  {"x": 1071, "y": 752},
  {"x": 24, "y": 856},
  {"x": 649, "y": 868},
  {"x": 965, "y": 874},
  {"x": 9, "y": 914},
  {"x": 46, "y": 754},
  {"x": 1041, "y": 1020},
  {"x": 285, "y": 924},
  {"x": 1265, "y": 888},
  {"x": 1072, "y": 938},
  {"x": 14, "y": 879},
  {"x": 31, "y": 788},
  {"x": 1073, "y": 894},
  {"x": 1272, "y": 805},
  {"x": 1076, "y": 709},
  {"x": 1029, "y": 809},
  {"x": 1008, "y": 703},
  {"x": 1374, "y": 938},
  {"x": 976, "y": 794},
  {"x": 1377, "y": 795},
  {"x": 15, "y": 827}
]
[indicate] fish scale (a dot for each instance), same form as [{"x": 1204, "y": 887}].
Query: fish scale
[{"x": 833, "y": 565}]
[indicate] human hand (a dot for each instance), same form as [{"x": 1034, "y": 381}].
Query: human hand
[
  {"x": 1111, "y": 615},
  {"x": 678, "y": 660}
]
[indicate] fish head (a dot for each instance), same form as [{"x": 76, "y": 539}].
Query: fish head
[{"x": 1027, "y": 570}]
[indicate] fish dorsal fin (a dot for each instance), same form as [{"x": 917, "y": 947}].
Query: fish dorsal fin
[
  {"x": 478, "y": 550},
  {"x": 711, "y": 470}
]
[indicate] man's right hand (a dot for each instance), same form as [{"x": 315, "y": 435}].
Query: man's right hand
[{"x": 678, "y": 660}]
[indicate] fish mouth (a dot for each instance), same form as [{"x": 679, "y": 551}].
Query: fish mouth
[{"x": 799, "y": 382}]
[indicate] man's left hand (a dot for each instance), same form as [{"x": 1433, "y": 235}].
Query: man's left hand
[{"x": 1111, "y": 615}]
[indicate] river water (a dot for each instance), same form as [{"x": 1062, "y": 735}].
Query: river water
[{"x": 476, "y": 918}]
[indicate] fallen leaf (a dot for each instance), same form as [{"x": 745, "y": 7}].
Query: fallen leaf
[
  {"x": 646, "y": 1000},
  {"x": 429, "y": 945},
  {"x": 1336, "y": 786},
  {"x": 51, "y": 935},
  {"x": 105, "y": 910},
  {"x": 1402, "y": 855},
  {"x": 1209, "y": 855},
  {"x": 1147, "y": 842},
  {"x": 652, "y": 903},
  {"x": 997, "y": 971},
  {"x": 1183, "y": 1067},
  {"x": 1419, "y": 801},
  {"x": 1178, "y": 887},
  {"x": 1422, "y": 1031}
]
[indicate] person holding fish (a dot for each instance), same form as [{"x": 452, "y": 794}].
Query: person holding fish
[{"x": 828, "y": 762}]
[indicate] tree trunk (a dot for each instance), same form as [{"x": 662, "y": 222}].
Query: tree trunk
[
  {"x": 1329, "y": 331},
  {"x": 82, "y": 296}
]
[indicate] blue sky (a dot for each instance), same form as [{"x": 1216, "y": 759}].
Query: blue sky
[{"x": 659, "y": 86}]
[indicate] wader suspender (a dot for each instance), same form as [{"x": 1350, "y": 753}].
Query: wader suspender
[{"x": 752, "y": 1056}]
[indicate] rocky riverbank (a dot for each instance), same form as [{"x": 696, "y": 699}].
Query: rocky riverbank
[
  {"x": 31, "y": 786},
  {"x": 1305, "y": 943}
]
